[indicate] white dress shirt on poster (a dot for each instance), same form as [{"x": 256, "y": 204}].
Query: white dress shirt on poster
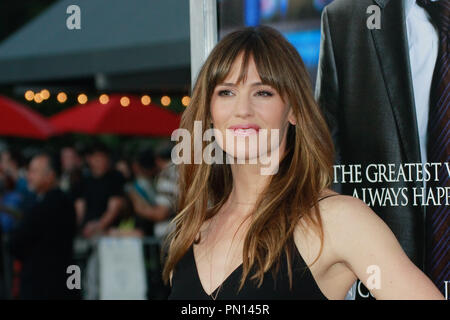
[{"x": 423, "y": 43}]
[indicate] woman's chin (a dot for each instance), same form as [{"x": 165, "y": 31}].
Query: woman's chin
[{"x": 247, "y": 157}]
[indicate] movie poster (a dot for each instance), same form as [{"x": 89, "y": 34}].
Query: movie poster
[{"x": 375, "y": 66}]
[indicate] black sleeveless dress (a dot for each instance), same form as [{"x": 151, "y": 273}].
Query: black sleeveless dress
[{"x": 186, "y": 284}]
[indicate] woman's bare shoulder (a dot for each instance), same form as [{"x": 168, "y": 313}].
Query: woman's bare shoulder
[
  {"x": 349, "y": 221},
  {"x": 332, "y": 209},
  {"x": 343, "y": 219},
  {"x": 333, "y": 203},
  {"x": 341, "y": 216}
]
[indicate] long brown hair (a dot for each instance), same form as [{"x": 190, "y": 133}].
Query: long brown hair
[{"x": 305, "y": 170}]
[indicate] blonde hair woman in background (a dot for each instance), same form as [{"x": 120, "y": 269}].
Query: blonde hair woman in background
[{"x": 243, "y": 235}]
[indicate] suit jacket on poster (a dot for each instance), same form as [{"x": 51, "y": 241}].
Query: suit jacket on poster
[{"x": 364, "y": 87}]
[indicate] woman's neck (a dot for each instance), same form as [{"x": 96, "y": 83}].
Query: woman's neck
[{"x": 248, "y": 183}]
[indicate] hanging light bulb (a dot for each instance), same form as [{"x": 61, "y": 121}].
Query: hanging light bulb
[
  {"x": 38, "y": 98},
  {"x": 45, "y": 94},
  {"x": 165, "y": 101},
  {"x": 104, "y": 99},
  {"x": 185, "y": 101},
  {"x": 82, "y": 98},
  {"x": 29, "y": 95},
  {"x": 124, "y": 101},
  {"x": 61, "y": 97},
  {"x": 146, "y": 100}
]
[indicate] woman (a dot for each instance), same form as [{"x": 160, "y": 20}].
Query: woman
[{"x": 240, "y": 234}]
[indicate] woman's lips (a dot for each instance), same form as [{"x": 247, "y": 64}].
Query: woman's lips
[{"x": 244, "y": 129}]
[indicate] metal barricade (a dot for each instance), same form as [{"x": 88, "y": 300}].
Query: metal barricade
[
  {"x": 87, "y": 259},
  {"x": 89, "y": 256}
]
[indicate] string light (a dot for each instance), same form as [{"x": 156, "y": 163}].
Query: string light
[
  {"x": 61, "y": 97},
  {"x": 124, "y": 101},
  {"x": 185, "y": 101},
  {"x": 45, "y": 94},
  {"x": 104, "y": 99},
  {"x": 165, "y": 101},
  {"x": 29, "y": 95},
  {"x": 82, "y": 98},
  {"x": 145, "y": 100},
  {"x": 38, "y": 98}
]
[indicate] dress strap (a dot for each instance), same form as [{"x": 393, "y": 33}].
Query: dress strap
[{"x": 331, "y": 195}]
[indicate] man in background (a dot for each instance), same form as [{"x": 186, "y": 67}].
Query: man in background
[
  {"x": 14, "y": 170},
  {"x": 43, "y": 240},
  {"x": 101, "y": 200},
  {"x": 72, "y": 171}
]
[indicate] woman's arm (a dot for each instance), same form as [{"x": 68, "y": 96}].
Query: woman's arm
[{"x": 366, "y": 244}]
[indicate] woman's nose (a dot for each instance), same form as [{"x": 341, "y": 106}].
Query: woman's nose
[{"x": 243, "y": 106}]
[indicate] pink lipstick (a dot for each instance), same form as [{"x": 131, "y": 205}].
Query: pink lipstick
[{"x": 244, "y": 129}]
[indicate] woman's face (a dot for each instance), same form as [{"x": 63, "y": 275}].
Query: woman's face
[{"x": 241, "y": 111}]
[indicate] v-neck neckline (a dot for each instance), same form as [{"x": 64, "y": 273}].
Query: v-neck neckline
[{"x": 200, "y": 281}]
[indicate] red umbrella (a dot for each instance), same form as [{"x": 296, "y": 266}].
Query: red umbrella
[
  {"x": 17, "y": 120},
  {"x": 112, "y": 117}
]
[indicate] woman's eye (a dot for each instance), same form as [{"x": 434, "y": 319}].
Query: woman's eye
[
  {"x": 224, "y": 93},
  {"x": 264, "y": 93}
]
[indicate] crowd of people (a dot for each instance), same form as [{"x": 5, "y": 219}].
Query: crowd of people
[{"x": 51, "y": 199}]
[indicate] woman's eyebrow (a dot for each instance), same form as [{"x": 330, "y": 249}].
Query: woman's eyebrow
[{"x": 229, "y": 84}]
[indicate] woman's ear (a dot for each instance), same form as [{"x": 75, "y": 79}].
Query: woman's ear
[{"x": 291, "y": 118}]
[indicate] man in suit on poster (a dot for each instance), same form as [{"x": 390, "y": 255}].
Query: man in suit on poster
[{"x": 384, "y": 91}]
